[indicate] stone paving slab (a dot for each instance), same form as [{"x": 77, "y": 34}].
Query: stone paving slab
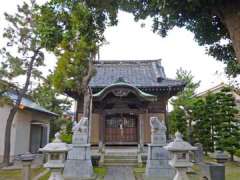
[{"x": 119, "y": 173}]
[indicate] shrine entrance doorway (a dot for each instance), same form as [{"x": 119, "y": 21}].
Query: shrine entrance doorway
[{"x": 121, "y": 128}]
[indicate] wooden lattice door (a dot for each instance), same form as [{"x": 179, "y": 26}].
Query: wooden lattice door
[{"x": 121, "y": 129}]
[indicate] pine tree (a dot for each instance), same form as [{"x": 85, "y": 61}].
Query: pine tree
[
  {"x": 227, "y": 128},
  {"x": 202, "y": 125},
  {"x": 22, "y": 56},
  {"x": 181, "y": 116},
  {"x": 177, "y": 121},
  {"x": 216, "y": 125}
]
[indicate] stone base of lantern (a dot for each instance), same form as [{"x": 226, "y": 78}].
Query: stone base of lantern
[
  {"x": 78, "y": 170},
  {"x": 157, "y": 164},
  {"x": 78, "y": 165}
]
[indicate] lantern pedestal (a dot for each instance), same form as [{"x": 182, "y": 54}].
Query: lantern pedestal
[
  {"x": 56, "y": 171},
  {"x": 26, "y": 160},
  {"x": 78, "y": 165},
  {"x": 181, "y": 174}
]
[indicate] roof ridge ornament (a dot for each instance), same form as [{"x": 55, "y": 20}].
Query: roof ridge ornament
[{"x": 120, "y": 80}]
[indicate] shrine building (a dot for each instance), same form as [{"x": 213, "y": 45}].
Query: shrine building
[{"x": 125, "y": 95}]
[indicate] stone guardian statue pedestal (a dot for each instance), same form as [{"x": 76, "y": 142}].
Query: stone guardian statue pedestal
[
  {"x": 157, "y": 162},
  {"x": 78, "y": 165}
]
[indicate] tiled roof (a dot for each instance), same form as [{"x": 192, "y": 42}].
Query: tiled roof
[
  {"x": 30, "y": 104},
  {"x": 139, "y": 73}
]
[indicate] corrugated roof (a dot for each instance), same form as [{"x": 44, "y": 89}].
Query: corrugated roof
[
  {"x": 138, "y": 73},
  {"x": 30, "y": 104}
]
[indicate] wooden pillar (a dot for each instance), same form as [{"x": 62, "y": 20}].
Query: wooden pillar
[
  {"x": 101, "y": 131},
  {"x": 166, "y": 118},
  {"x": 141, "y": 133}
]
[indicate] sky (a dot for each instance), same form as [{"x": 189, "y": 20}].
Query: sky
[{"x": 129, "y": 41}]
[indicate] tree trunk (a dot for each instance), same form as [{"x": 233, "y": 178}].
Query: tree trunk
[
  {"x": 90, "y": 115},
  {"x": 77, "y": 111},
  {"x": 88, "y": 95},
  {"x": 231, "y": 157},
  {"x": 7, "y": 137},
  {"x": 230, "y": 16},
  {"x": 86, "y": 102},
  {"x": 86, "y": 89},
  {"x": 206, "y": 153}
]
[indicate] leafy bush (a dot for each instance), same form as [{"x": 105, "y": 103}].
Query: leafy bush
[
  {"x": 67, "y": 138},
  {"x": 238, "y": 153}
]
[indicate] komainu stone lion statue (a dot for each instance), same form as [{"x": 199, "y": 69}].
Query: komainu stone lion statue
[
  {"x": 156, "y": 125},
  {"x": 81, "y": 126}
]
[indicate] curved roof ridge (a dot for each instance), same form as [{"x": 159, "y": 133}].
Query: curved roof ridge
[
  {"x": 127, "y": 61},
  {"x": 140, "y": 93}
]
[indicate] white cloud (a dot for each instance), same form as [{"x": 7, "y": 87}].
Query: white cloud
[{"x": 129, "y": 41}]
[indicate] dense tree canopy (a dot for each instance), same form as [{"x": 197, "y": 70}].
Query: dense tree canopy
[
  {"x": 227, "y": 131},
  {"x": 202, "y": 128},
  {"x": 215, "y": 24},
  {"x": 73, "y": 30},
  {"x": 210, "y": 120}
]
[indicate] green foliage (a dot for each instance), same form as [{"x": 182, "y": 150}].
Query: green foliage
[
  {"x": 23, "y": 44},
  {"x": 22, "y": 52},
  {"x": 178, "y": 121},
  {"x": 227, "y": 127},
  {"x": 73, "y": 30},
  {"x": 67, "y": 138},
  {"x": 69, "y": 126},
  {"x": 180, "y": 117},
  {"x": 66, "y": 133},
  {"x": 216, "y": 125},
  {"x": 206, "y": 19},
  {"x": 47, "y": 96},
  {"x": 101, "y": 172},
  {"x": 21, "y": 57},
  {"x": 237, "y": 153},
  {"x": 210, "y": 120},
  {"x": 4, "y": 87},
  {"x": 202, "y": 125}
]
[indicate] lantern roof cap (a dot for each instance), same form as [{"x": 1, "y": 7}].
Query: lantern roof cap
[
  {"x": 56, "y": 146},
  {"x": 179, "y": 144}
]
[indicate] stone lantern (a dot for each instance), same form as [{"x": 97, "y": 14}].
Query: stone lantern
[
  {"x": 56, "y": 152},
  {"x": 180, "y": 151}
]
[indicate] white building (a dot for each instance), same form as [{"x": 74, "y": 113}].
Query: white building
[
  {"x": 30, "y": 128},
  {"x": 217, "y": 89}
]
